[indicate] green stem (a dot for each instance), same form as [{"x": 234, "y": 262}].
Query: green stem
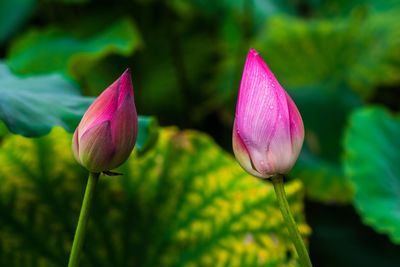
[
  {"x": 294, "y": 233},
  {"x": 83, "y": 220}
]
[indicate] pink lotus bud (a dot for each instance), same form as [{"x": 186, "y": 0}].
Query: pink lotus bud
[
  {"x": 268, "y": 131},
  {"x": 106, "y": 135}
]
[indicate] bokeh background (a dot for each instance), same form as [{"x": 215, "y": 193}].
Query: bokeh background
[{"x": 183, "y": 200}]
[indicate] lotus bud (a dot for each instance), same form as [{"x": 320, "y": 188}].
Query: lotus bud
[
  {"x": 268, "y": 131},
  {"x": 107, "y": 133}
]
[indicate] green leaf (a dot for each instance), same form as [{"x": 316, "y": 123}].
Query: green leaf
[
  {"x": 74, "y": 53},
  {"x": 12, "y": 15},
  {"x": 184, "y": 203},
  {"x": 147, "y": 134},
  {"x": 372, "y": 163},
  {"x": 32, "y": 106}
]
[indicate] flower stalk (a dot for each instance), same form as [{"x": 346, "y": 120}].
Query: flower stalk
[
  {"x": 294, "y": 233},
  {"x": 80, "y": 233},
  {"x": 103, "y": 140}
]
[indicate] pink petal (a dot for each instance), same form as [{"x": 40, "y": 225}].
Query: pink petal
[
  {"x": 260, "y": 110},
  {"x": 125, "y": 87},
  {"x": 241, "y": 153},
  {"x": 75, "y": 145},
  {"x": 101, "y": 109},
  {"x": 296, "y": 126},
  {"x": 267, "y": 120},
  {"x": 96, "y": 149},
  {"x": 124, "y": 128},
  {"x": 107, "y": 132},
  {"x": 106, "y": 103}
]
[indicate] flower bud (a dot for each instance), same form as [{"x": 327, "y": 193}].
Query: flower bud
[
  {"x": 268, "y": 131},
  {"x": 107, "y": 133}
]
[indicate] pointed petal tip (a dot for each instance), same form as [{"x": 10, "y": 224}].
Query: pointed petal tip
[
  {"x": 126, "y": 73},
  {"x": 126, "y": 81},
  {"x": 255, "y": 59},
  {"x": 126, "y": 78},
  {"x": 253, "y": 52},
  {"x": 253, "y": 56}
]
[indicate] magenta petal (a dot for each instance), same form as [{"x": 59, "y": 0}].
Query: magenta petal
[
  {"x": 75, "y": 145},
  {"x": 241, "y": 153},
  {"x": 125, "y": 87},
  {"x": 107, "y": 132},
  {"x": 95, "y": 147},
  {"x": 101, "y": 109},
  {"x": 267, "y": 120},
  {"x": 124, "y": 129},
  {"x": 106, "y": 103},
  {"x": 296, "y": 126}
]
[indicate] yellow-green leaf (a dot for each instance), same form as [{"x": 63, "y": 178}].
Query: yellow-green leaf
[{"x": 185, "y": 202}]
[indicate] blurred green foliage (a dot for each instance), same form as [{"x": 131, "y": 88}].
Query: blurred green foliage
[
  {"x": 161, "y": 212},
  {"x": 71, "y": 52},
  {"x": 335, "y": 58},
  {"x": 12, "y": 15}
]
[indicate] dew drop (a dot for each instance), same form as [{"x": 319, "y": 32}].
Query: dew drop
[
  {"x": 271, "y": 107},
  {"x": 271, "y": 82}
]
